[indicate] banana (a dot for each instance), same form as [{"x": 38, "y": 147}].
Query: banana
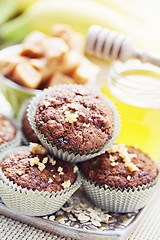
[
  {"x": 24, "y": 4},
  {"x": 122, "y": 6},
  {"x": 9, "y": 8},
  {"x": 80, "y": 15}
]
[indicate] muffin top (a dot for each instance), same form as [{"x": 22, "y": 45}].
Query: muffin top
[
  {"x": 35, "y": 169},
  {"x": 121, "y": 167},
  {"x": 7, "y": 130},
  {"x": 74, "y": 119},
  {"x": 28, "y": 132}
]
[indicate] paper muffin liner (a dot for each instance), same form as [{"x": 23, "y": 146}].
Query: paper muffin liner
[
  {"x": 17, "y": 139},
  {"x": 20, "y": 120},
  {"x": 119, "y": 200},
  {"x": 65, "y": 154},
  {"x": 29, "y": 202}
]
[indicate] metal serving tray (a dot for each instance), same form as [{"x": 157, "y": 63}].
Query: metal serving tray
[{"x": 118, "y": 227}]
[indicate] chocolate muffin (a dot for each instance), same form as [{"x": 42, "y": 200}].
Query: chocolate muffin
[
  {"x": 7, "y": 130},
  {"x": 74, "y": 120},
  {"x": 34, "y": 183},
  {"x": 121, "y": 167},
  {"x": 35, "y": 169},
  {"x": 27, "y": 130},
  {"x": 120, "y": 180}
]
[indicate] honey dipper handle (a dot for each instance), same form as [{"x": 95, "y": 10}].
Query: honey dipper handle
[
  {"x": 107, "y": 44},
  {"x": 148, "y": 58}
]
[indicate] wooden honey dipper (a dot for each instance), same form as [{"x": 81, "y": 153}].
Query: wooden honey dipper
[{"x": 107, "y": 44}]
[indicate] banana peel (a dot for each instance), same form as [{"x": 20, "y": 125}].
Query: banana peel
[{"x": 80, "y": 15}]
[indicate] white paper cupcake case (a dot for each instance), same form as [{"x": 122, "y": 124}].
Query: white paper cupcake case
[
  {"x": 29, "y": 202},
  {"x": 16, "y": 141},
  {"x": 64, "y": 154},
  {"x": 119, "y": 200}
]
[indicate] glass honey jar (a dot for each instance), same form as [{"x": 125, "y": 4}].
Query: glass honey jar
[{"x": 134, "y": 87}]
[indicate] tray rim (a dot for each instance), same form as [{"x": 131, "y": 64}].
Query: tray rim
[
  {"x": 73, "y": 232},
  {"x": 76, "y": 233}
]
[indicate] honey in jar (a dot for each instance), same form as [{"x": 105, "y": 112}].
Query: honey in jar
[{"x": 135, "y": 90}]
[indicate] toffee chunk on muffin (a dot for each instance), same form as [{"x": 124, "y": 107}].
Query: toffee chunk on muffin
[
  {"x": 121, "y": 180},
  {"x": 34, "y": 183},
  {"x": 35, "y": 169},
  {"x": 121, "y": 167},
  {"x": 74, "y": 119},
  {"x": 27, "y": 130},
  {"x": 7, "y": 130}
]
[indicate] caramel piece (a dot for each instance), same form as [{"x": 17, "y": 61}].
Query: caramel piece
[
  {"x": 8, "y": 63},
  {"x": 39, "y": 64},
  {"x": 50, "y": 69},
  {"x": 60, "y": 78},
  {"x": 54, "y": 48},
  {"x": 27, "y": 76},
  {"x": 63, "y": 31},
  {"x": 33, "y": 45},
  {"x": 77, "y": 43},
  {"x": 42, "y": 65},
  {"x": 74, "y": 40},
  {"x": 70, "y": 62},
  {"x": 85, "y": 71}
]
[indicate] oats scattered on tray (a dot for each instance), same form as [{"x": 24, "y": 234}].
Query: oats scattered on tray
[{"x": 84, "y": 212}]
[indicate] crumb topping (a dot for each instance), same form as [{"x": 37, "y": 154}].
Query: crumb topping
[
  {"x": 50, "y": 180},
  {"x": 73, "y": 106},
  {"x": 75, "y": 169},
  {"x": 71, "y": 117},
  {"x": 66, "y": 184},
  {"x": 36, "y": 148},
  {"x": 128, "y": 177},
  {"x": 46, "y": 104},
  {"x": 51, "y": 160},
  {"x": 41, "y": 166},
  {"x": 45, "y": 160},
  {"x": 60, "y": 169},
  {"x": 34, "y": 161},
  {"x": 113, "y": 164}
]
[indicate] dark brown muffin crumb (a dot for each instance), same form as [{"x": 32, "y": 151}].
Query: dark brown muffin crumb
[
  {"x": 7, "y": 130},
  {"x": 38, "y": 171},
  {"x": 28, "y": 132},
  {"x": 121, "y": 167},
  {"x": 74, "y": 119}
]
